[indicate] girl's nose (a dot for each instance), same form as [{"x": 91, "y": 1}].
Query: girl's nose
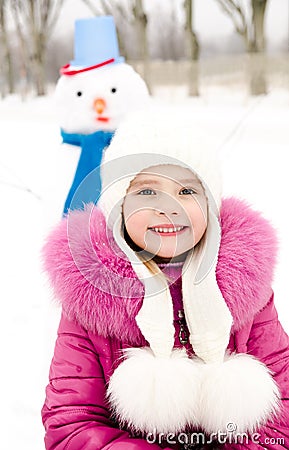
[
  {"x": 168, "y": 207},
  {"x": 99, "y": 105},
  {"x": 162, "y": 212}
]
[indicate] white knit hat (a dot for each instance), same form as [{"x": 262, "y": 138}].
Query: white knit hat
[
  {"x": 147, "y": 140},
  {"x": 171, "y": 396}
]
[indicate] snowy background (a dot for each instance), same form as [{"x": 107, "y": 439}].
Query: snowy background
[
  {"x": 36, "y": 171},
  {"x": 34, "y": 175}
]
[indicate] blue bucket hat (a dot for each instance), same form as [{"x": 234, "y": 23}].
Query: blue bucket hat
[{"x": 95, "y": 45}]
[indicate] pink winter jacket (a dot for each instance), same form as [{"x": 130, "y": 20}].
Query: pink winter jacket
[{"x": 98, "y": 321}]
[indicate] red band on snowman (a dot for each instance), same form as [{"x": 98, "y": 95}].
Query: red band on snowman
[{"x": 66, "y": 71}]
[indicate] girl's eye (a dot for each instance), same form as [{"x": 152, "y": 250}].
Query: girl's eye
[
  {"x": 146, "y": 191},
  {"x": 187, "y": 191}
]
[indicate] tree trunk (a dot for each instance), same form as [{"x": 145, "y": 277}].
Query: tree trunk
[
  {"x": 38, "y": 64},
  {"x": 39, "y": 76},
  {"x": 193, "y": 50},
  {"x": 7, "y": 58},
  {"x": 141, "y": 32},
  {"x": 256, "y": 69},
  {"x": 258, "y": 17},
  {"x": 258, "y": 81},
  {"x": 23, "y": 54},
  {"x": 140, "y": 25}
]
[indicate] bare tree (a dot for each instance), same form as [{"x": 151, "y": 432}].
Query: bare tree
[
  {"x": 6, "y": 66},
  {"x": 237, "y": 14},
  {"x": 250, "y": 25},
  {"x": 34, "y": 21}
]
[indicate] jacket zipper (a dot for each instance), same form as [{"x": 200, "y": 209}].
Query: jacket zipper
[{"x": 183, "y": 334}]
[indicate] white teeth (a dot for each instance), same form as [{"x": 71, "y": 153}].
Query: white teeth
[{"x": 167, "y": 230}]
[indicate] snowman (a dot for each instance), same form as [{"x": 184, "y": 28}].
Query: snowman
[{"x": 94, "y": 93}]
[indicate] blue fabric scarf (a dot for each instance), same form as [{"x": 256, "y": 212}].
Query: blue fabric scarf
[{"x": 84, "y": 188}]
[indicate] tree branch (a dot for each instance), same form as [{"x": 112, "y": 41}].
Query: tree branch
[
  {"x": 93, "y": 8},
  {"x": 234, "y": 10}
]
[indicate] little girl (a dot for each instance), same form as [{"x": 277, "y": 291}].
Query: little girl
[{"x": 169, "y": 337}]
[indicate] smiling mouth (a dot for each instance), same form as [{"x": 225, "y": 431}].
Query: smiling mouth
[
  {"x": 168, "y": 230},
  {"x": 103, "y": 119}
]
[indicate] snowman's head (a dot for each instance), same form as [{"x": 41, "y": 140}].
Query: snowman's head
[{"x": 99, "y": 99}]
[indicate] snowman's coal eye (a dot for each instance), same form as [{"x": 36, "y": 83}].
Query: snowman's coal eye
[
  {"x": 113, "y": 90},
  {"x": 79, "y": 94}
]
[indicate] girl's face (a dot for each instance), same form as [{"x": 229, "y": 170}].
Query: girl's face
[{"x": 165, "y": 210}]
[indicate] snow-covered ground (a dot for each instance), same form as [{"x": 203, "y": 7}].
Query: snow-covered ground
[{"x": 34, "y": 176}]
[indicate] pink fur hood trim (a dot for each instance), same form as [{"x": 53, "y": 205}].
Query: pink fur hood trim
[{"x": 98, "y": 288}]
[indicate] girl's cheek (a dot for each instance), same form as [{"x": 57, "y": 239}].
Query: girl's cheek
[
  {"x": 198, "y": 213},
  {"x": 202, "y": 208},
  {"x": 135, "y": 223}
]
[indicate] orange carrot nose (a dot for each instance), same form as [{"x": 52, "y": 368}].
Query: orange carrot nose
[{"x": 99, "y": 105}]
